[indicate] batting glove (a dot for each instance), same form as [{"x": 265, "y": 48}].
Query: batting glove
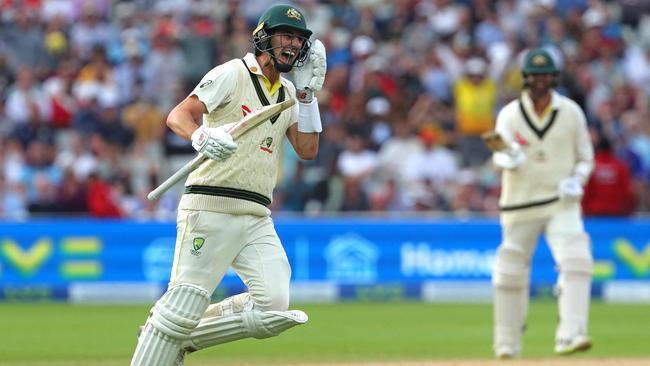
[
  {"x": 570, "y": 189},
  {"x": 510, "y": 159},
  {"x": 215, "y": 143},
  {"x": 309, "y": 78}
]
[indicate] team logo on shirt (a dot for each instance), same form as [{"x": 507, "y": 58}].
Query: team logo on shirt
[
  {"x": 197, "y": 244},
  {"x": 265, "y": 145},
  {"x": 245, "y": 110},
  {"x": 539, "y": 156}
]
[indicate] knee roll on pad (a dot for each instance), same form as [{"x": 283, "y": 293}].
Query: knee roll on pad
[
  {"x": 577, "y": 265},
  {"x": 510, "y": 269},
  {"x": 179, "y": 310},
  {"x": 575, "y": 245}
]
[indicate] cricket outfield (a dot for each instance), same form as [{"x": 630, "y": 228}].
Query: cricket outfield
[{"x": 377, "y": 334}]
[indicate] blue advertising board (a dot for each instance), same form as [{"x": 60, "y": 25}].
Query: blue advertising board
[{"x": 375, "y": 258}]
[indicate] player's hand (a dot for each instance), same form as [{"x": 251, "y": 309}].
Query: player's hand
[
  {"x": 570, "y": 189},
  {"x": 309, "y": 78},
  {"x": 215, "y": 143},
  {"x": 510, "y": 159},
  {"x": 494, "y": 141}
]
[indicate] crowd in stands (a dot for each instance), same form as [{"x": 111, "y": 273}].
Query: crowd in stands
[{"x": 85, "y": 87}]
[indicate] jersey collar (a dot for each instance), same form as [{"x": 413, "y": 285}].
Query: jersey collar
[
  {"x": 554, "y": 105},
  {"x": 255, "y": 68}
]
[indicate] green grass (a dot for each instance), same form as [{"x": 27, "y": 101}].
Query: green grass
[{"x": 61, "y": 334}]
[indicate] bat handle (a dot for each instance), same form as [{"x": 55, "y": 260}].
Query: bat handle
[{"x": 176, "y": 177}]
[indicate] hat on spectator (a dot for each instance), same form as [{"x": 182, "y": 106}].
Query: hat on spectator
[
  {"x": 431, "y": 134},
  {"x": 108, "y": 98},
  {"x": 593, "y": 18},
  {"x": 55, "y": 42},
  {"x": 378, "y": 106},
  {"x": 362, "y": 46}
]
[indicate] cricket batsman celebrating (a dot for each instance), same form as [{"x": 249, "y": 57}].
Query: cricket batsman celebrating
[
  {"x": 542, "y": 144},
  {"x": 223, "y": 217}
]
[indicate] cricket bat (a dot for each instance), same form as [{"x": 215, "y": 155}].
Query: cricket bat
[
  {"x": 493, "y": 141},
  {"x": 246, "y": 124}
]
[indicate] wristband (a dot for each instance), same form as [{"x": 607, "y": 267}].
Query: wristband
[
  {"x": 582, "y": 171},
  {"x": 309, "y": 117}
]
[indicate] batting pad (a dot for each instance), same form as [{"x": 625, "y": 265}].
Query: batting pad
[
  {"x": 511, "y": 281},
  {"x": 172, "y": 319},
  {"x": 255, "y": 324},
  {"x": 574, "y": 284}
]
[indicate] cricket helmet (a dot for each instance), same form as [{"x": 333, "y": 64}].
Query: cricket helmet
[
  {"x": 276, "y": 19},
  {"x": 539, "y": 61}
]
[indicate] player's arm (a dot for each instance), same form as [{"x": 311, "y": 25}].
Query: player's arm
[
  {"x": 308, "y": 79},
  {"x": 571, "y": 187},
  {"x": 305, "y": 144},
  {"x": 185, "y": 119},
  {"x": 585, "y": 150},
  {"x": 507, "y": 152}
]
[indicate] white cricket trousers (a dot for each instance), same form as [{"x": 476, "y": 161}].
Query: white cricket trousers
[
  {"x": 564, "y": 232},
  {"x": 207, "y": 243}
]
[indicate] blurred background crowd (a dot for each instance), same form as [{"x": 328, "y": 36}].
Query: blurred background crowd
[{"x": 85, "y": 87}]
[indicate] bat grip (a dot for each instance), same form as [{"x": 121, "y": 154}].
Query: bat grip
[{"x": 176, "y": 177}]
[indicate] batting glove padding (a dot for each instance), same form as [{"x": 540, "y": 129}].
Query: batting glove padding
[
  {"x": 214, "y": 143},
  {"x": 570, "y": 188},
  {"x": 310, "y": 77}
]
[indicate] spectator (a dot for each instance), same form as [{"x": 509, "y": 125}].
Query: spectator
[
  {"x": 99, "y": 199},
  {"x": 356, "y": 161},
  {"x": 609, "y": 191},
  {"x": 71, "y": 194},
  {"x": 77, "y": 157},
  {"x": 40, "y": 176},
  {"x": 26, "y": 102},
  {"x": 475, "y": 95},
  {"x": 164, "y": 65},
  {"x": 24, "y": 37},
  {"x": 398, "y": 151},
  {"x": 433, "y": 169},
  {"x": 58, "y": 59}
]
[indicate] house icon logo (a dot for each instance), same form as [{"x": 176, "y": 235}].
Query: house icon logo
[
  {"x": 157, "y": 258},
  {"x": 351, "y": 259}
]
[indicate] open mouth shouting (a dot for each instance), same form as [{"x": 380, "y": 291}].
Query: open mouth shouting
[{"x": 287, "y": 55}]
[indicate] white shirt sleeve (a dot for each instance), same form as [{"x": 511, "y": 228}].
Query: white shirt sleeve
[
  {"x": 216, "y": 87},
  {"x": 585, "y": 150},
  {"x": 502, "y": 127}
]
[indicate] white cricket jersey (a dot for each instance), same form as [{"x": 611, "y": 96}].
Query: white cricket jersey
[
  {"x": 556, "y": 145},
  {"x": 244, "y": 183}
]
